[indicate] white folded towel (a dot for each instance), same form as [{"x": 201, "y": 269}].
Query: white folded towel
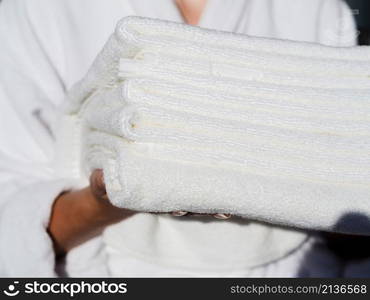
[{"x": 183, "y": 118}]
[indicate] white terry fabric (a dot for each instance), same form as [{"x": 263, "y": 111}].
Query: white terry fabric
[
  {"x": 177, "y": 122},
  {"x": 42, "y": 55}
]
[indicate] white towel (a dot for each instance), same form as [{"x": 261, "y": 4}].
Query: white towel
[{"x": 183, "y": 118}]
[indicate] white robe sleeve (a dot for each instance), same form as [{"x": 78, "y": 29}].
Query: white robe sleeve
[
  {"x": 29, "y": 91},
  {"x": 336, "y": 25}
]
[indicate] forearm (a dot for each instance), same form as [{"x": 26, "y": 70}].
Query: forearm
[{"x": 78, "y": 216}]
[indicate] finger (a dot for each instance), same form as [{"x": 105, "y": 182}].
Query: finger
[
  {"x": 179, "y": 213},
  {"x": 222, "y": 216},
  {"x": 97, "y": 183}
]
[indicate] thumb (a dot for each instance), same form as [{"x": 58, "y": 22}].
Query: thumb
[{"x": 97, "y": 183}]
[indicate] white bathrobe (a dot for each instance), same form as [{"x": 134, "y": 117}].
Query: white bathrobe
[{"x": 45, "y": 47}]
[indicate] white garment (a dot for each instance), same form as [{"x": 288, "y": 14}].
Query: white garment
[
  {"x": 318, "y": 262},
  {"x": 46, "y": 46}
]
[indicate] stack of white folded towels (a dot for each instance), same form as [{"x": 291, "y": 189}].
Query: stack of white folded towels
[{"x": 183, "y": 118}]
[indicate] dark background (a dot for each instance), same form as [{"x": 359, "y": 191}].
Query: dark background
[{"x": 361, "y": 11}]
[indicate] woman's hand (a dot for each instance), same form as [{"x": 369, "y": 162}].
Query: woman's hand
[{"x": 79, "y": 215}]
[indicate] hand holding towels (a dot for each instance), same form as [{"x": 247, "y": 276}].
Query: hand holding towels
[{"x": 184, "y": 118}]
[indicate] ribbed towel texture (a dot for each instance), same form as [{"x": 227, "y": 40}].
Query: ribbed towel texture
[{"x": 183, "y": 118}]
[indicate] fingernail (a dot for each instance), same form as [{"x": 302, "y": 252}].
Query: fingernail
[
  {"x": 222, "y": 216},
  {"x": 179, "y": 213}
]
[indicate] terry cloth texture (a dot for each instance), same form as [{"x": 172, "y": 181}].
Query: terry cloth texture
[{"x": 184, "y": 118}]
